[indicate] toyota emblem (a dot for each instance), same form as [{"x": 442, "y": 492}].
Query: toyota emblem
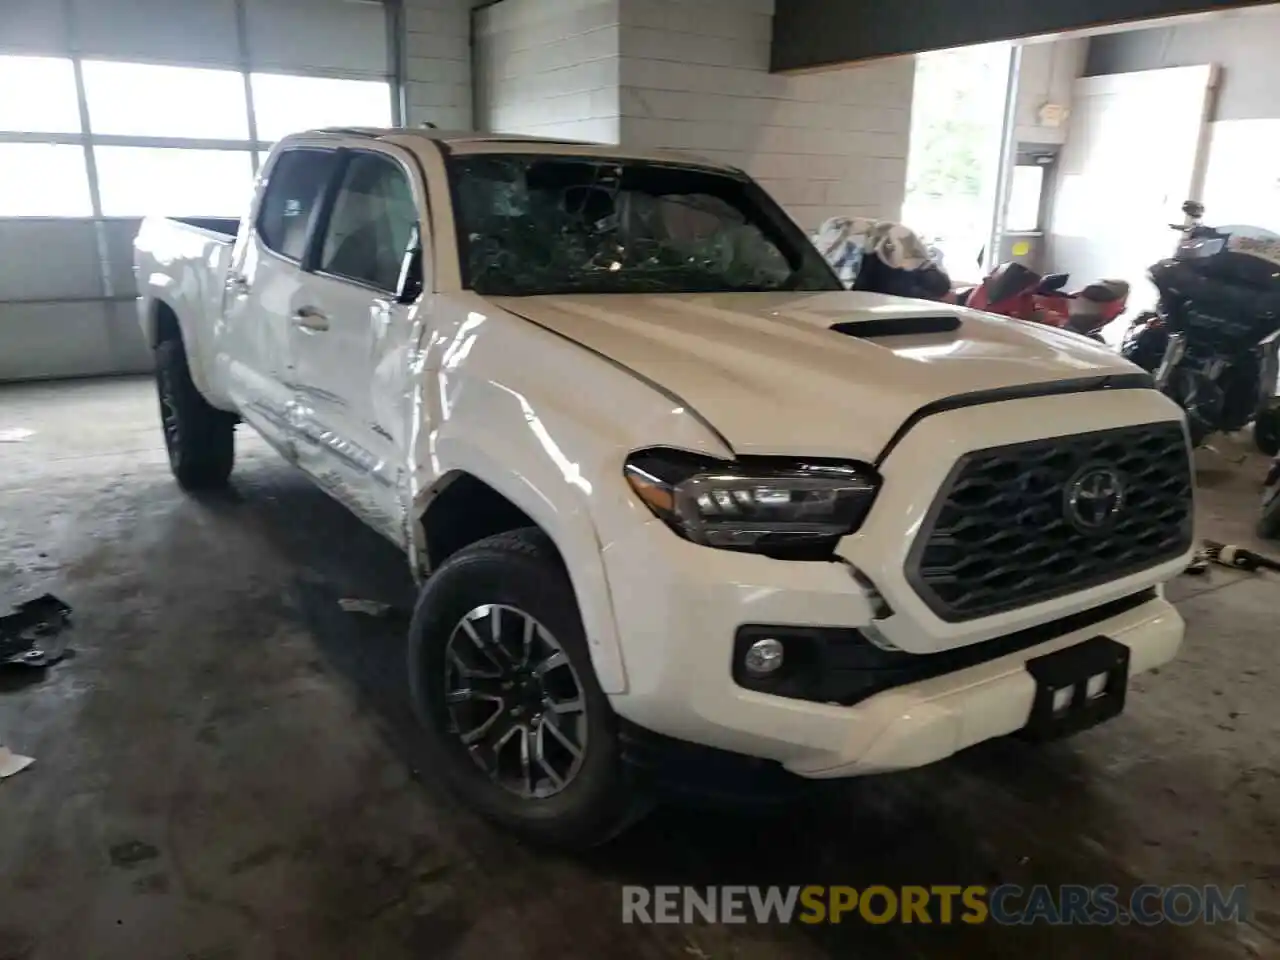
[{"x": 1095, "y": 498}]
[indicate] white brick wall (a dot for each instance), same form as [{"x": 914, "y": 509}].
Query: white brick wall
[
  {"x": 438, "y": 63},
  {"x": 694, "y": 76},
  {"x": 549, "y": 68},
  {"x": 1048, "y": 75}
]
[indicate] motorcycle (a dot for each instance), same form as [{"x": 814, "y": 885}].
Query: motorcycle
[
  {"x": 1014, "y": 290},
  {"x": 1213, "y": 341}
]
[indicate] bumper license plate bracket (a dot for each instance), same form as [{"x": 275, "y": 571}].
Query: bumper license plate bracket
[{"x": 1077, "y": 687}]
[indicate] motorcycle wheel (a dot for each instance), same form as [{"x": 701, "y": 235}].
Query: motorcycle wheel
[
  {"x": 1269, "y": 522},
  {"x": 1199, "y": 432},
  {"x": 1266, "y": 431}
]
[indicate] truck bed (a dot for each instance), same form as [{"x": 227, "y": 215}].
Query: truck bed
[
  {"x": 226, "y": 227},
  {"x": 185, "y": 261}
]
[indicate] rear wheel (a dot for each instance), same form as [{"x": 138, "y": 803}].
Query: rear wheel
[
  {"x": 200, "y": 438},
  {"x": 503, "y": 685}
]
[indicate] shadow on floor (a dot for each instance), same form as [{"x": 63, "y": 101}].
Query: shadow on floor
[{"x": 1002, "y": 813}]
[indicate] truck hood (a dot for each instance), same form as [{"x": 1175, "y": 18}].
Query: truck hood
[{"x": 772, "y": 376}]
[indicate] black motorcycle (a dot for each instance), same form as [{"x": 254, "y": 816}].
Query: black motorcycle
[{"x": 1213, "y": 339}]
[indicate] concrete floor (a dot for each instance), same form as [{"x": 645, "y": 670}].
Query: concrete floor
[{"x": 226, "y": 767}]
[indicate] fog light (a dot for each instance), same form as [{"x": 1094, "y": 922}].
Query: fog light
[{"x": 763, "y": 657}]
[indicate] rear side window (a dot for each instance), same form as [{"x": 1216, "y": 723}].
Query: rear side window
[
  {"x": 374, "y": 223},
  {"x": 293, "y": 192}
]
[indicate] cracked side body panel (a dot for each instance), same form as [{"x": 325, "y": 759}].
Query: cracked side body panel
[{"x": 504, "y": 401}]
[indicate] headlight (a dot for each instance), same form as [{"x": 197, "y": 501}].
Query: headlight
[{"x": 761, "y": 504}]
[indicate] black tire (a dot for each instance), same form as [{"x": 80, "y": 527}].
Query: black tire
[
  {"x": 1199, "y": 432},
  {"x": 522, "y": 570},
  {"x": 200, "y": 438},
  {"x": 1266, "y": 431},
  {"x": 1269, "y": 522}
]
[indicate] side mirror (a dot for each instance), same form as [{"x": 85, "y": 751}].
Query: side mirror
[{"x": 409, "y": 287}]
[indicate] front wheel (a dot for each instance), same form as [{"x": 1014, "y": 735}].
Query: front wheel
[
  {"x": 199, "y": 438},
  {"x": 503, "y": 685}
]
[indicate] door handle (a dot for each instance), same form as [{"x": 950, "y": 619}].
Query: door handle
[
  {"x": 310, "y": 318},
  {"x": 238, "y": 283}
]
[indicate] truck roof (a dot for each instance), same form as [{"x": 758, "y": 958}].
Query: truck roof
[{"x": 471, "y": 142}]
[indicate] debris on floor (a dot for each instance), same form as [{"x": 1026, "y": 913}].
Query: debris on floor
[
  {"x": 11, "y": 763},
  {"x": 369, "y": 608},
  {"x": 1238, "y": 558},
  {"x": 1199, "y": 565},
  {"x": 33, "y": 635}
]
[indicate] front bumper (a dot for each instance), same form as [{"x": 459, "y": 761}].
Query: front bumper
[{"x": 678, "y": 606}]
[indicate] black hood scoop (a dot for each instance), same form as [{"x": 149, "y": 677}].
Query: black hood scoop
[{"x": 897, "y": 326}]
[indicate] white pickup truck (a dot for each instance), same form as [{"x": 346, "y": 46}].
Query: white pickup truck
[{"x": 669, "y": 490}]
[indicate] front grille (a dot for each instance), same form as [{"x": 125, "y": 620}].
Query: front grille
[{"x": 1003, "y": 533}]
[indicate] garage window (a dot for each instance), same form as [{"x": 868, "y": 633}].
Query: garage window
[
  {"x": 136, "y": 181},
  {"x": 38, "y": 95},
  {"x": 144, "y": 99},
  {"x": 125, "y": 127},
  {"x": 43, "y": 180},
  {"x": 284, "y": 104}
]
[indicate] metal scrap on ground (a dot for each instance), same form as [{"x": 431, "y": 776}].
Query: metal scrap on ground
[
  {"x": 370, "y": 608},
  {"x": 32, "y": 635},
  {"x": 11, "y": 763}
]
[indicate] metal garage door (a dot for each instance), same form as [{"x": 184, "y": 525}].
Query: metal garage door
[{"x": 114, "y": 109}]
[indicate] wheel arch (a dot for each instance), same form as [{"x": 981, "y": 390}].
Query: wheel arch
[
  {"x": 161, "y": 322},
  {"x": 476, "y": 497}
]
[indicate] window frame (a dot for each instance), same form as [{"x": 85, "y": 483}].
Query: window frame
[
  {"x": 308, "y": 242},
  {"x": 316, "y": 240}
]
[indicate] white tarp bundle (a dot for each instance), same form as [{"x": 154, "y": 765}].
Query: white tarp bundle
[{"x": 846, "y": 241}]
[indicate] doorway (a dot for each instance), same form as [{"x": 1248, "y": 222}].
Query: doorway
[{"x": 958, "y": 115}]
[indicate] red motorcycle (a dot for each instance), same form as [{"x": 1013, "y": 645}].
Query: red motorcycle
[{"x": 1014, "y": 290}]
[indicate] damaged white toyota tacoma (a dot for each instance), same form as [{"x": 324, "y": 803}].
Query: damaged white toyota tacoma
[{"x": 671, "y": 493}]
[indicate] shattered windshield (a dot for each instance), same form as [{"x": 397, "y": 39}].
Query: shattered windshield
[{"x": 539, "y": 224}]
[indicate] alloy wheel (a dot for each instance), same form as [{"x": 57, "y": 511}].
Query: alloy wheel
[{"x": 515, "y": 701}]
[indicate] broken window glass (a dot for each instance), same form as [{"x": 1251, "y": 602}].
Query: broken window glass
[{"x": 537, "y": 224}]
